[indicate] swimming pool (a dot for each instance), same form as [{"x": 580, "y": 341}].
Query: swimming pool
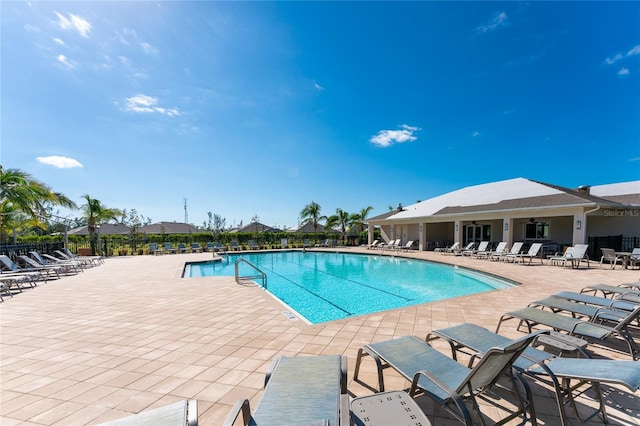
[{"x": 323, "y": 286}]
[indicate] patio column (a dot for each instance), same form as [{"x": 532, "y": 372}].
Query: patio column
[
  {"x": 507, "y": 231},
  {"x": 579, "y": 228},
  {"x": 370, "y": 234},
  {"x": 421, "y": 237},
  {"x": 457, "y": 232}
]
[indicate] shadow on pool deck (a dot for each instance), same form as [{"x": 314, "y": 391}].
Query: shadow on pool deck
[{"x": 133, "y": 335}]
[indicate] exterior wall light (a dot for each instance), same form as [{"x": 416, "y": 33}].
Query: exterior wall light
[
  {"x": 506, "y": 226},
  {"x": 579, "y": 224}
]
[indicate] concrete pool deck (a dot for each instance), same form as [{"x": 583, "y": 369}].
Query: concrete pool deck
[{"x": 132, "y": 335}]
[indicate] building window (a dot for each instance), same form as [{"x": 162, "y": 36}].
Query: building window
[{"x": 536, "y": 231}]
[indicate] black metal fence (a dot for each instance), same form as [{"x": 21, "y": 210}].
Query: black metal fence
[
  {"x": 119, "y": 245},
  {"x": 25, "y": 248},
  {"x": 616, "y": 242}
]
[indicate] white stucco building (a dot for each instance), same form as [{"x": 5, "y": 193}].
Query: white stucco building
[{"x": 517, "y": 210}]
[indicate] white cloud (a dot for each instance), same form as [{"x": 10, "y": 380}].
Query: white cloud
[
  {"x": 148, "y": 104},
  {"x": 475, "y": 134},
  {"x": 318, "y": 87},
  {"x": 65, "y": 61},
  {"x": 635, "y": 50},
  {"x": 74, "y": 22},
  {"x": 59, "y": 162},
  {"x": 498, "y": 20},
  {"x": 58, "y": 41},
  {"x": 623, "y": 71},
  {"x": 148, "y": 48},
  {"x": 386, "y": 138},
  {"x": 613, "y": 60}
]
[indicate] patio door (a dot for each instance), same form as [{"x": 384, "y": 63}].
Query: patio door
[
  {"x": 473, "y": 233},
  {"x": 477, "y": 233}
]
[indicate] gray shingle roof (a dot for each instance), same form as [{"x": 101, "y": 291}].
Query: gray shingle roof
[{"x": 169, "y": 228}]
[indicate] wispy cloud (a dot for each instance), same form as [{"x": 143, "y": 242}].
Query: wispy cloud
[
  {"x": 613, "y": 60},
  {"x": 475, "y": 134},
  {"x": 623, "y": 71},
  {"x": 386, "y": 138},
  {"x": 130, "y": 37},
  {"x": 148, "y": 104},
  {"x": 318, "y": 87},
  {"x": 497, "y": 21},
  {"x": 58, "y": 41},
  {"x": 65, "y": 61},
  {"x": 59, "y": 162},
  {"x": 148, "y": 48},
  {"x": 635, "y": 50},
  {"x": 74, "y": 22}
]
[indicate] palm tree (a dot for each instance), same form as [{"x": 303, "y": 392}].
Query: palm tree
[
  {"x": 341, "y": 219},
  {"x": 311, "y": 213},
  {"x": 96, "y": 213},
  {"x": 360, "y": 219},
  {"x": 19, "y": 192}
]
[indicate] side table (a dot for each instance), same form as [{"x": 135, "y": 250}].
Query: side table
[
  {"x": 387, "y": 408},
  {"x": 563, "y": 343}
]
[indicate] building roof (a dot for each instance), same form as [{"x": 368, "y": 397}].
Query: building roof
[
  {"x": 624, "y": 192},
  {"x": 105, "y": 229},
  {"x": 255, "y": 227},
  {"x": 169, "y": 228},
  {"x": 518, "y": 194},
  {"x": 308, "y": 227}
]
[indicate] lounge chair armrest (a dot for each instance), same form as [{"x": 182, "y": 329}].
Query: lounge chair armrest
[
  {"x": 618, "y": 313},
  {"x": 345, "y": 411},
  {"x": 270, "y": 371},
  {"x": 343, "y": 376},
  {"x": 457, "y": 399},
  {"x": 192, "y": 412},
  {"x": 241, "y": 406},
  {"x": 591, "y": 324}
]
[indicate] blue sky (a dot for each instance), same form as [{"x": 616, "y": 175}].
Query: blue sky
[{"x": 257, "y": 108}]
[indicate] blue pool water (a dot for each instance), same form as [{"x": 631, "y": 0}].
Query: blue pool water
[{"x": 328, "y": 286}]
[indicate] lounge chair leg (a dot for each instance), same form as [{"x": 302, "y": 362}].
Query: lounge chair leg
[{"x": 362, "y": 352}]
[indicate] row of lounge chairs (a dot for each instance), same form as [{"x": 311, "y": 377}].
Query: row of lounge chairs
[
  {"x": 312, "y": 390},
  {"x": 572, "y": 256},
  {"x": 36, "y": 267},
  {"x": 500, "y": 253},
  {"x": 391, "y": 245}
]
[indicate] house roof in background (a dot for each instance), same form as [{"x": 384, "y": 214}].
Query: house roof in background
[
  {"x": 169, "y": 228},
  {"x": 105, "y": 229},
  {"x": 255, "y": 227},
  {"x": 307, "y": 227}
]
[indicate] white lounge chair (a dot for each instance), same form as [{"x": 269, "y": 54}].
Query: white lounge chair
[
  {"x": 472, "y": 251},
  {"x": 574, "y": 255},
  {"x": 407, "y": 246},
  {"x": 9, "y": 267},
  {"x": 500, "y": 248},
  {"x": 27, "y": 262},
  {"x": 533, "y": 252},
  {"x": 453, "y": 249},
  {"x": 514, "y": 253},
  {"x": 373, "y": 245},
  {"x": 634, "y": 259}
]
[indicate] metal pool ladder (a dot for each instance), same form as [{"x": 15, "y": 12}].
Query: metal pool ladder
[{"x": 261, "y": 275}]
